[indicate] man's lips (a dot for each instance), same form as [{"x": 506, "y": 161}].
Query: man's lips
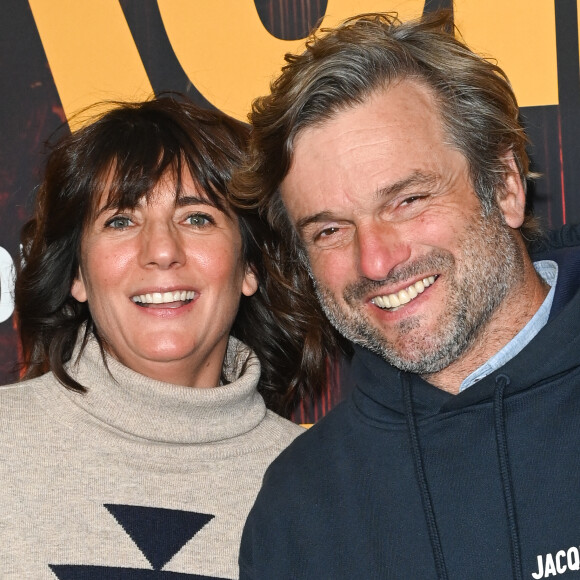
[
  {"x": 402, "y": 297},
  {"x": 172, "y": 299}
]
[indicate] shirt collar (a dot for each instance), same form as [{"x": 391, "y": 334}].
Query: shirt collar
[{"x": 548, "y": 270}]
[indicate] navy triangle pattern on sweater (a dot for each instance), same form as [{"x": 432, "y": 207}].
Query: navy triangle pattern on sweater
[
  {"x": 158, "y": 532},
  {"x": 406, "y": 481}
]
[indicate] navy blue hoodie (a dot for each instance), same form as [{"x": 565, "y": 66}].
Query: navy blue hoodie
[{"x": 406, "y": 481}]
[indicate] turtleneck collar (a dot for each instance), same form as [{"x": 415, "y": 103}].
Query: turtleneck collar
[{"x": 142, "y": 407}]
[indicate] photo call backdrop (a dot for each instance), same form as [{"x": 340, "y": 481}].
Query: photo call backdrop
[{"x": 59, "y": 56}]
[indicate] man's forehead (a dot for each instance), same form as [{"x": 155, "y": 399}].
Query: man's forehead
[
  {"x": 403, "y": 117},
  {"x": 388, "y": 122},
  {"x": 399, "y": 92},
  {"x": 362, "y": 157}
]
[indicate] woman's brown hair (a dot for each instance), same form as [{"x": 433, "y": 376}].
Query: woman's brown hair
[{"x": 133, "y": 145}]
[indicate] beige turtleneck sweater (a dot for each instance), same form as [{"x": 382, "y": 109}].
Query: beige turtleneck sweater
[{"x": 134, "y": 475}]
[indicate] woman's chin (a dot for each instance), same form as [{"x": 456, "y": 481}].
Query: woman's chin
[{"x": 173, "y": 359}]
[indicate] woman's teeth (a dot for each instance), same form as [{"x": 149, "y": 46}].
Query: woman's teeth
[
  {"x": 403, "y": 296},
  {"x": 164, "y": 297}
]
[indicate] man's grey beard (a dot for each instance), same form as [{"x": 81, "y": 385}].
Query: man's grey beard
[{"x": 491, "y": 265}]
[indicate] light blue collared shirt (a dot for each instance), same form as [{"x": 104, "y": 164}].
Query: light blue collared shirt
[{"x": 548, "y": 270}]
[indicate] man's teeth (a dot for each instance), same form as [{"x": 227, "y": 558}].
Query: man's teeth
[
  {"x": 164, "y": 297},
  {"x": 403, "y": 296}
]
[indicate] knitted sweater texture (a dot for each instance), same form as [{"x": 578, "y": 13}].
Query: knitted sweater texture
[{"x": 134, "y": 479}]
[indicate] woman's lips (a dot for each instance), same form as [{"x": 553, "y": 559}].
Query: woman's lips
[{"x": 172, "y": 299}]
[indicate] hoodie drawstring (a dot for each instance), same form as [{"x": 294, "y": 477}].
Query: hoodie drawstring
[
  {"x": 502, "y": 381},
  {"x": 426, "y": 500}
]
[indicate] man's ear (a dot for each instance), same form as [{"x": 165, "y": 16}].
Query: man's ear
[
  {"x": 78, "y": 288},
  {"x": 511, "y": 197}
]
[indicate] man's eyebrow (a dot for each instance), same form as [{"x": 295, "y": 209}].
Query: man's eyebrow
[
  {"x": 417, "y": 178},
  {"x": 413, "y": 180},
  {"x": 323, "y": 216}
]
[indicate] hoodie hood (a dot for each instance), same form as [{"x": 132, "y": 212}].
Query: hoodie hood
[
  {"x": 553, "y": 351},
  {"x": 408, "y": 399}
]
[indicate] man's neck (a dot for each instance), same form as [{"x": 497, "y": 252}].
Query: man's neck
[{"x": 516, "y": 310}]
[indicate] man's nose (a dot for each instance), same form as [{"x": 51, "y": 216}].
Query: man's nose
[{"x": 380, "y": 248}]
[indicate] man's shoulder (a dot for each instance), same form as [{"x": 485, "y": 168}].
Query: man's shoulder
[
  {"x": 555, "y": 241},
  {"x": 304, "y": 475},
  {"x": 313, "y": 447}
]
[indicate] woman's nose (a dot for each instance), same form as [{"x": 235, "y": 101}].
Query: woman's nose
[{"x": 162, "y": 246}]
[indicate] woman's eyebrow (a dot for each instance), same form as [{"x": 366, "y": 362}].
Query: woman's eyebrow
[
  {"x": 189, "y": 200},
  {"x": 184, "y": 200}
]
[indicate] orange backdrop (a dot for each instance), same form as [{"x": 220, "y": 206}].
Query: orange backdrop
[{"x": 58, "y": 56}]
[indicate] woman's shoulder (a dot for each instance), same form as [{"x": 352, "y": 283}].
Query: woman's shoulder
[
  {"x": 24, "y": 413},
  {"x": 24, "y": 387},
  {"x": 24, "y": 395}
]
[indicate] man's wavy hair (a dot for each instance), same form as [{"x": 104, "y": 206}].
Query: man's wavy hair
[
  {"x": 341, "y": 68},
  {"x": 134, "y": 145}
]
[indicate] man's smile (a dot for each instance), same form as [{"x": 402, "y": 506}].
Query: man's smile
[{"x": 396, "y": 300}]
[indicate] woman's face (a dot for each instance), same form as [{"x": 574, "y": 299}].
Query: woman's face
[{"x": 163, "y": 283}]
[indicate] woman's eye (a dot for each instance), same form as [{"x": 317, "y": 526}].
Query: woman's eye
[
  {"x": 118, "y": 222},
  {"x": 199, "y": 220}
]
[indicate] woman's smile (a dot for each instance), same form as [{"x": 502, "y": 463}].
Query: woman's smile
[{"x": 171, "y": 299}]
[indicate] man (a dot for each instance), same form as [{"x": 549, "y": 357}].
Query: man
[{"x": 394, "y": 156}]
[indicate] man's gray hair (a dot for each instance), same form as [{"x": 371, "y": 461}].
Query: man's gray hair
[{"x": 341, "y": 67}]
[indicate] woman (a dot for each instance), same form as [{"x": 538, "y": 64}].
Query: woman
[{"x": 139, "y": 440}]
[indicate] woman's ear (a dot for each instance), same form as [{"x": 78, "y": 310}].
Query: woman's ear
[
  {"x": 250, "y": 282},
  {"x": 78, "y": 289},
  {"x": 511, "y": 197}
]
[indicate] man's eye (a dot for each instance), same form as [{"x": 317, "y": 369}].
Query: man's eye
[
  {"x": 326, "y": 232},
  {"x": 118, "y": 222},
  {"x": 412, "y": 199},
  {"x": 199, "y": 220},
  {"x": 330, "y": 236}
]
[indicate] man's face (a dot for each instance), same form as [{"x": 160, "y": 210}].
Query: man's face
[{"x": 403, "y": 259}]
